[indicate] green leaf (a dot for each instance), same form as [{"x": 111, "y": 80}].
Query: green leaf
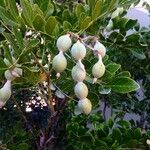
[
  {"x": 66, "y": 15},
  {"x": 7, "y": 52},
  {"x": 67, "y": 26},
  {"x": 124, "y": 74},
  {"x": 18, "y": 36},
  {"x": 138, "y": 54},
  {"x": 50, "y": 25},
  {"x": 94, "y": 98},
  {"x": 12, "y": 8},
  {"x": 37, "y": 10},
  {"x": 32, "y": 43},
  {"x": 123, "y": 85},
  {"x": 22, "y": 146},
  {"x": 38, "y": 22},
  {"x": 49, "y": 11},
  {"x": 79, "y": 9},
  {"x": 113, "y": 67},
  {"x": 7, "y": 17},
  {"x": 116, "y": 134},
  {"x": 137, "y": 134},
  {"x": 12, "y": 42},
  {"x": 85, "y": 23},
  {"x": 97, "y": 9},
  {"x": 3, "y": 65},
  {"x": 91, "y": 4},
  {"x": 27, "y": 11}
]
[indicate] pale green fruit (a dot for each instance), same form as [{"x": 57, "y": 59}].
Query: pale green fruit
[
  {"x": 85, "y": 106},
  {"x": 78, "y": 51},
  {"x": 78, "y": 74},
  {"x": 59, "y": 62},
  {"x": 81, "y": 90},
  {"x": 64, "y": 42},
  {"x": 100, "y": 48},
  {"x": 5, "y": 93},
  {"x": 98, "y": 70}
]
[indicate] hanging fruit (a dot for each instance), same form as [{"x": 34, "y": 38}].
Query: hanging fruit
[
  {"x": 98, "y": 69},
  {"x": 85, "y": 106},
  {"x": 78, "y": 50},
  {"x": 81, "y": 90},
  {"x": 99, "y": 48},
  {"x": 5, "y": 93},
  {"x": 59, "y": 63},
  {"x": 64, "y": 42},
  {"x": 77, "y": 73}
]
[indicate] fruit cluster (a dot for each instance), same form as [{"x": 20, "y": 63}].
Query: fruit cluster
[
  {"x": 10, "y": 75},
  {"x": 78, "y": 73}
]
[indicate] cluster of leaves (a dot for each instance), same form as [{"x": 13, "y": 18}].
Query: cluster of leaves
[{"x": 93, "y": 133}]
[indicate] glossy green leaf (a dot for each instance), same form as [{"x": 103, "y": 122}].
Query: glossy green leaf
[
  {"x": 85, "y": 23},
  {"x": 7, "y": 17},
  {"x": 12, "y": 42},
  {"x": 7, "y": 52},
  {"x": 27, "y": 11},
  {"x": 124, "y": 74},
  {"x": 123, "y": 85},
  {"x": 12, "y": 8},
  {"x": 138, "y": 53},
  {"x": 113, "y": 67},
  {"x": 18, "y": 36},
  {"x": 38, "y": 22},
  {"x": 94, "y": 98},
  {"x": 49, "y": 11},
  {"x": 79, "y": 9},
  {"x": 97, "y": 9},
  {"x": 50, "y": 25}
]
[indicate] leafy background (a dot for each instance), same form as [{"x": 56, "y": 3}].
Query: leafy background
[{"x": 48, "y": 20}]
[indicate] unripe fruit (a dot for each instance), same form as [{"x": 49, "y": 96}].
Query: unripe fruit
[
  {"x": 81, "y": 90},
  {"x": 78, "y": 74},
  {"x": 98, "y": 70},
  {"x": 64, "y": 42},
  {"x": 85, "y": 106},
  {"x": 100, "y": 48},
  {"x": 59, "y": 62},
  {"x": 78, "y": 51},
  {"x": 5, "y": 93}
]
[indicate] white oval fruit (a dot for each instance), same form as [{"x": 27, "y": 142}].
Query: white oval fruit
[
  {"x": 85, "y": 106},
  {"x": 64, "y": 42},
  {"x": 81, "y": 90},
  {"x": 98, "y": 70},
  {"x": 59, "y": 62},
  {"x": 78, "y": 51},
  {"x": 78, "y": 74},
  {"x": 5, "y": 92},
  {"x": 100, "y": 48}
]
